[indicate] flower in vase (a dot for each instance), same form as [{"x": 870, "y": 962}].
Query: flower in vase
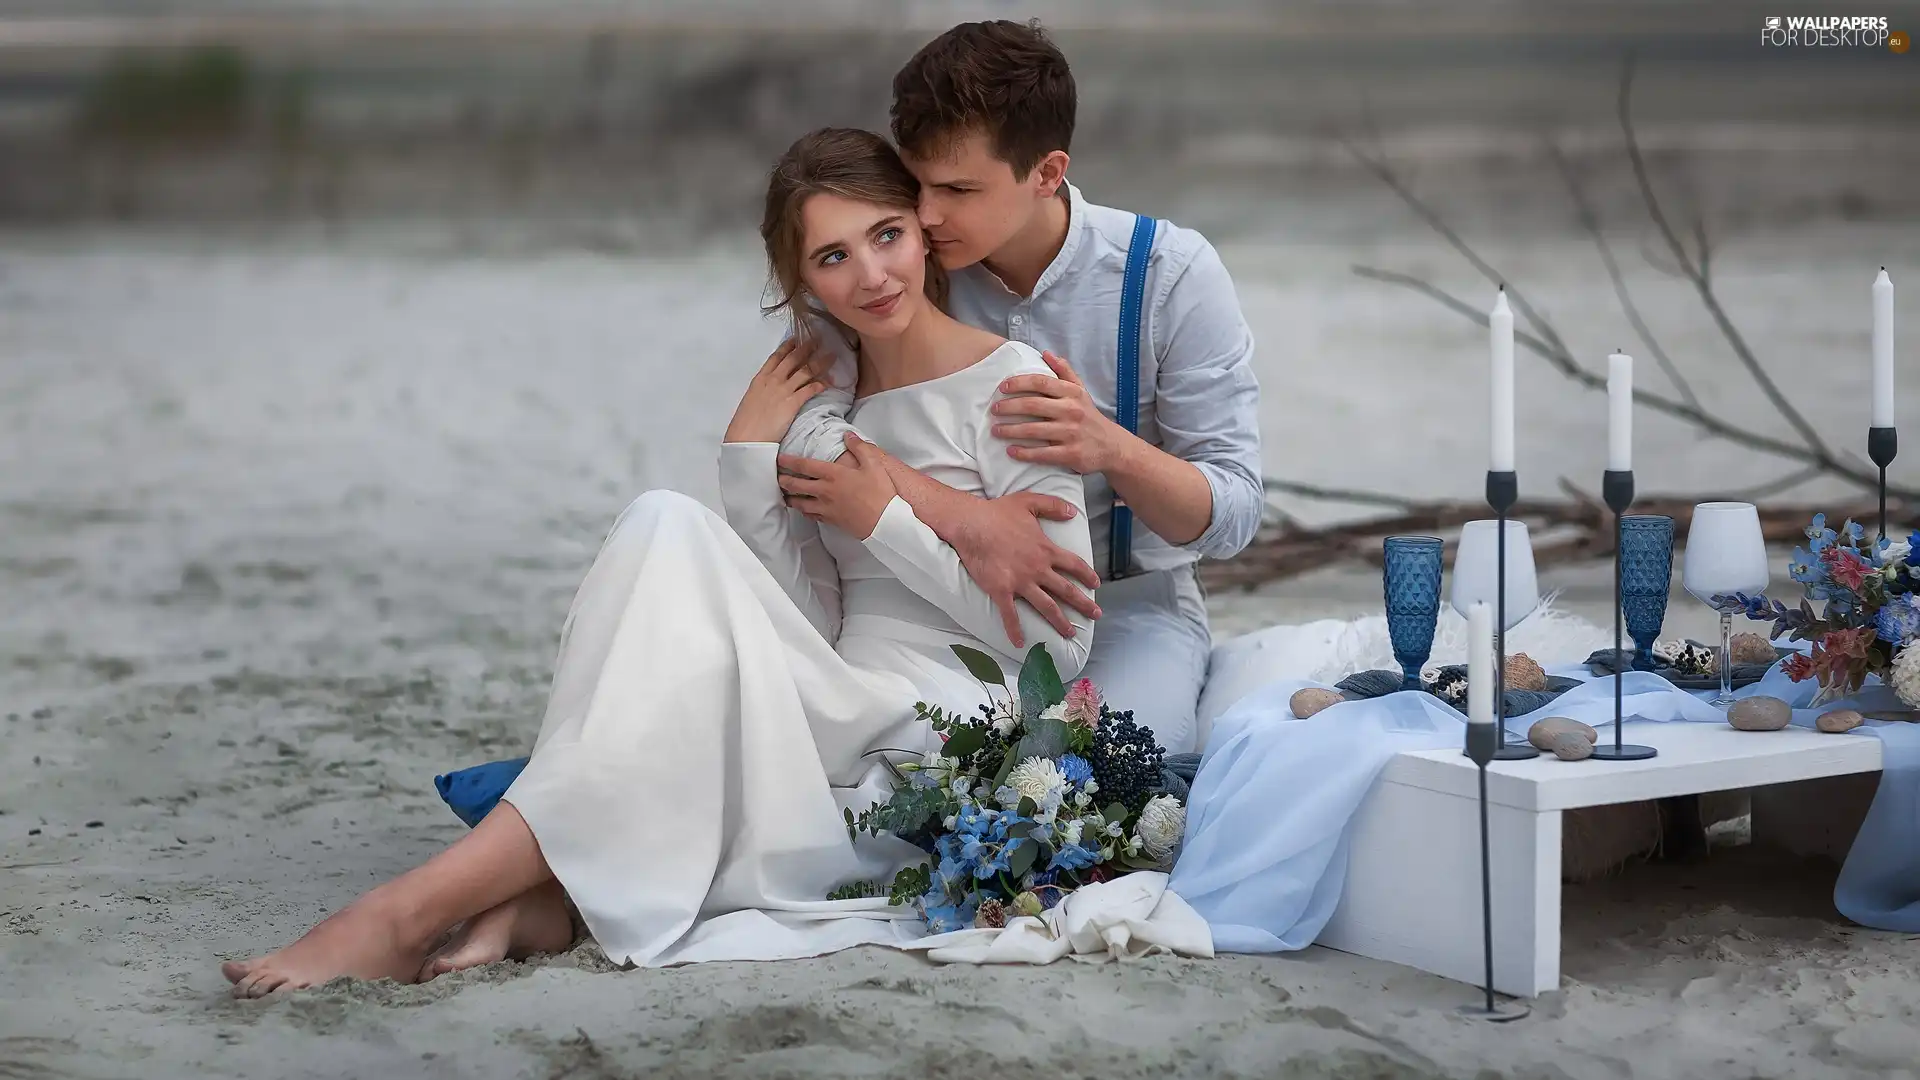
[
  {"x": 1905, "y": 676},
  {"x": 1899, "y": 620},
  {"x": 1846, "y": 568}
]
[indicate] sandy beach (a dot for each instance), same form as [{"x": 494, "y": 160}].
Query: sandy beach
[{"x": 291, "y": 513}]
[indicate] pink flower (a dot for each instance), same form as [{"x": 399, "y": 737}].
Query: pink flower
[
  {"x": 1846, "y": 567},
  {"x": 1083, "y": 704}
]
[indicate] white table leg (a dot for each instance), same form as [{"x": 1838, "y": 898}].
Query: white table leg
[{"x": 1413, "y": 889}]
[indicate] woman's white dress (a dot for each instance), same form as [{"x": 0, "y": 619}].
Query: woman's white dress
[{"x": 722, "y": 684}]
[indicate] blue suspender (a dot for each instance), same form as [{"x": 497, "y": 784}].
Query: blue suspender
[{"x": 1126, "y": 400}]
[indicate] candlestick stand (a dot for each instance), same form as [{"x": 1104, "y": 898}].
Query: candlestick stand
[
  {"x": 1503, "y": 490},
  {"x": 1617, "y": 489},
  {"x": 1882, "y": 444},
  {"x": 1483, "y": 744}
]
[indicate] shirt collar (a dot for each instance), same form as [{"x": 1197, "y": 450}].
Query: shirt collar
[
  {"x": 1076, "y": 232},
  {"x": 1076, "y": 229}
]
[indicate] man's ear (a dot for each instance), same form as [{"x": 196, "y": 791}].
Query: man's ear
[{"x": 1051, "y": 172}]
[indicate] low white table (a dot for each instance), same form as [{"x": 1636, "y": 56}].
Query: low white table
[{"x": 1413, "y": 879}]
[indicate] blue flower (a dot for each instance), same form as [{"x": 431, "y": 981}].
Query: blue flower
[
  {"x": 1899, "y": 621},
  {"x": 942, "y": 918},
  {"x": 1821, "y": 536},
  {"x": 973, "y": 820},
  {"x": 1073, "y": 857},
  {"x": 1075, "y": 768},
  {"x": 1854, "y": 530},
  {"x": 1805, "y": 567}
]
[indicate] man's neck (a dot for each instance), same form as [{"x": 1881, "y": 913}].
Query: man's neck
[{"x": 1020, "y": 261}]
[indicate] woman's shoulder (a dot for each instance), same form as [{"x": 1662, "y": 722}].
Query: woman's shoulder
[{"x": 1015, "y": 358}]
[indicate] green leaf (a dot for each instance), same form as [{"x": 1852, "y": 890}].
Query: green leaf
[
  {"x": 1006, "y": 766},
  {"x": 1040, "y": 687},
  {"x": 1023, "y": 858},
  {"x": 1026, "y": 808},
  {"x": 964, "y": 742},
  {"x": 1044, "y": 738},
  {"x": 1115, "y": 812},
  {"x": 980, "y": 665}
]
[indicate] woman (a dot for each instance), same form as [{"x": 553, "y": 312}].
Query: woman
[{"x": 722, "y": 686}]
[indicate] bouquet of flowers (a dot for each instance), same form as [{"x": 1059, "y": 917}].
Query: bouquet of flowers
[
  {"x": 1871, "y": 614},
  {"x": 1045, "y": 790}
]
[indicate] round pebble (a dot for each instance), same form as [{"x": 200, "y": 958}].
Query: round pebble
[
  {"x": 1543, "y": 731},
  {"x": 1839, "y": 720},
  {"x": 1305, "y": 703},
  {"x": 1567, "y": 745},
  {"x": 1760, "y": 714}
]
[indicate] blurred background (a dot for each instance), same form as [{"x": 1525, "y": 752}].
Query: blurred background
[{"x": 334, "y": 334}]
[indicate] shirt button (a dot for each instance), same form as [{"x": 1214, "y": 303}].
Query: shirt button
[{"x": 1016, "y": 320}]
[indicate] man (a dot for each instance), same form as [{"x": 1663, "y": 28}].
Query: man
[{"x": 983, "y": 115}]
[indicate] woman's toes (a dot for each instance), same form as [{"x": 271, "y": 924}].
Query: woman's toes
[
  {"x": 249, "y": 987},
  {"x": 235, "y": 970}
]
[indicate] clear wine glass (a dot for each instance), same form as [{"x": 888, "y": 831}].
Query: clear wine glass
[{"x": 1726, "y": 554}]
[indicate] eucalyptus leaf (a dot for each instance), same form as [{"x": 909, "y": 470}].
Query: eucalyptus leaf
[
  {"x": 1023, "y": 858},
  {"x": 964, "y": 741},
  {"x": 1040, "y": 686},
  {"x": 1115, "y": 812},
  {"x": 1044, "y": 738},
  {"x": 980, "y": 665}
]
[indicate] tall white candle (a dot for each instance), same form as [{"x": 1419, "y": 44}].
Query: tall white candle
[
  {"x": 1620, "y": 413},
  {"x": 1882, "y": 350},
  {"x": 1500, "y": 325},
  {"x": 1480, "y": 663}
]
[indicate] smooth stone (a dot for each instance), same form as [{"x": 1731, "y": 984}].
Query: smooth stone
[
  {"x": 1305, "y": 703},
  {"x": 1839, "y": 720},
  {"x": 1524, "y": 674},
  {"x": 1760, "y": 714},
  {"x": 1544, "y": 730},
  {"x": 1568, "y": 745}
]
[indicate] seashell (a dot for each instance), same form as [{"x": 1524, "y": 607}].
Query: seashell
[
  {"x": 1523, "y": 674},
  {"x": 1545, "y": 730},
  {"x": 1838, "y": 720},
  {"x": 1451, "y": 687},
  {"x": 1760, "y": 714},
  {"x": 1305, "y": 703},
  {"x": 1752, "y": 649},
  {"x": 1566, "y": 745}
]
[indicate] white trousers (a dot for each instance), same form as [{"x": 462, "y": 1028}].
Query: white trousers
[{"x": 1150, "y": 651}]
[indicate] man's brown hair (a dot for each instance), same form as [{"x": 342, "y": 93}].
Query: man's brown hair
[{"x": 1004, "y": 79}]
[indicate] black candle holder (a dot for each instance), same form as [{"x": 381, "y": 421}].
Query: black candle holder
[
  {"x": 1882, "y": 444},
  {"x": 1483, "y": 745},
  {"x": 1503, "y": 490},
  {"x": 1617, "y": 489}
]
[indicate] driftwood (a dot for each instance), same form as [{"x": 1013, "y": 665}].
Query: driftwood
[{"x": 1577, "y": 528}]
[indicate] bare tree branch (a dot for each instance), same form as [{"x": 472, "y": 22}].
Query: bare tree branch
[
  {"x": 1697, "y": 273},
  {"x": 1590, "y": 219}
]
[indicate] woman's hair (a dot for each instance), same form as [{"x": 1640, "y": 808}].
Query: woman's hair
[{"x": 852, "y": 164}]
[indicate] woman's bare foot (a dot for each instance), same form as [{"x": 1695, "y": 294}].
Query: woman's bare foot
[
  {"x": 536, "y": 921},
  {"x": 369, "y": 939}
]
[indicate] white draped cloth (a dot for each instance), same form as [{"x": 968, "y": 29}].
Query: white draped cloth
[{"x": 725, "y": 689}]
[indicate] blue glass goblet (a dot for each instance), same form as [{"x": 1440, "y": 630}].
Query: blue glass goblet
[
  {"x": 1646, "y": 579},
  {"x": 1411, "y": 574}
]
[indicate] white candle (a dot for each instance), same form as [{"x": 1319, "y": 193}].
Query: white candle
[
  {"x": 1500, "y": 323},
  {"x": 1882, "y": 350},
  {"x": 1620, "y": 413},
  {"x": 1479, "y": 663}
]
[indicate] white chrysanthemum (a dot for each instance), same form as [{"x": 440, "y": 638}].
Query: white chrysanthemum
[
  {"x": 1906, "y": 675},
  {"x": 1163, "y": 821},
  {"x": 1037, "y": 778}
]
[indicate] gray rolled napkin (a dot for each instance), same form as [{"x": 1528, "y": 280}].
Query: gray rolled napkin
[
  {"x": 1380, "y": 682},
  {"x": 1601, "y": 663}
]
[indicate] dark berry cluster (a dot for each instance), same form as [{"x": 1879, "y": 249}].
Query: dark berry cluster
[{"x": 1126, "y": 760}]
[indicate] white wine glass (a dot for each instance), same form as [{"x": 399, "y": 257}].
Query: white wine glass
[{"x": 1726, "y": 554}]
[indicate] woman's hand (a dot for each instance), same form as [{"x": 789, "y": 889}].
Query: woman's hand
[
  {"x": 773, "y": 398},
  {"x": 850, "y": 497}
]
